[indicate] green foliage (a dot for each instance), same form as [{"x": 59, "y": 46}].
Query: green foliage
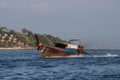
[{"x": 13, "y": 38}]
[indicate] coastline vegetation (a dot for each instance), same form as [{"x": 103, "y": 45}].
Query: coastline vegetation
[{"x": 24, "y": 39}]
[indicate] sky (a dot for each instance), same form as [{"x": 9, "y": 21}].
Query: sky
[{"x": 95, "y": 22}]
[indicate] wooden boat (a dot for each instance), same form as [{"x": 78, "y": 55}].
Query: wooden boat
[{"x": 60, "y": 49}]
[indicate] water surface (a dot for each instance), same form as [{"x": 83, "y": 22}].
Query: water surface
[{"x": 28, "y": 65}]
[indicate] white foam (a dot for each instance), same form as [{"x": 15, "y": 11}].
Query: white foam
[
  {"x": 80, "y": 56},
  {"x": 75, "y": 56},
  {"x": 107, "y": 55}
]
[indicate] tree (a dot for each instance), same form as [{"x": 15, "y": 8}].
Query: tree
[
  {"x": 15, "y": 38},
  {"x": 24, "y": 31}
]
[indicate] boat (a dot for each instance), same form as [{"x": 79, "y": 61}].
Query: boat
[{"x": 60, "y": 49}]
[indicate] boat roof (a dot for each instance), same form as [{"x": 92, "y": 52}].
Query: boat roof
[
  {"x": 74, "y": 41},
  {"x": 70, "y": 42}
]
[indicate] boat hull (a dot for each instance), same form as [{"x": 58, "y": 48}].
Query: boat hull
[{"x": 51, "y": 52}]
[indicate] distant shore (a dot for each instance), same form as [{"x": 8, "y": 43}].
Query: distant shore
[
  {"x": 17, "y": 48},
  {"x": 34, "y": 48}
]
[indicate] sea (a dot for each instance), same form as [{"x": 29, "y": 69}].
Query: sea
[{"x": 29, "y": 65}]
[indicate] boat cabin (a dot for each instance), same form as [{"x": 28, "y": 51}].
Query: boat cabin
[{"x": 69, "y": 47}]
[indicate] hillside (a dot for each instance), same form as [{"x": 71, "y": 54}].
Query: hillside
[{"x": 25, "y": 38}]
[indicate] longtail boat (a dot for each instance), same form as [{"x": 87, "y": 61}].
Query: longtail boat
[{"x": 60, "y": 49}]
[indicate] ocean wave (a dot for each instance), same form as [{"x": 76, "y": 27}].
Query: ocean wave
[
  {"x": 107, "y": 55},
  {"x": 81, "y": 56}
]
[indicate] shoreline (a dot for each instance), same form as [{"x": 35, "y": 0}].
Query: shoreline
[
  {"x": 18, "y": 48},
  {"x": 34, "y": 48}
]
